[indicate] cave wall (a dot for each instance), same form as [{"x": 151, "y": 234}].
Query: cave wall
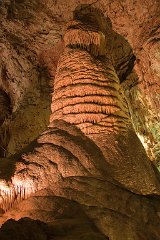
[{"x": 31, "y": 42}]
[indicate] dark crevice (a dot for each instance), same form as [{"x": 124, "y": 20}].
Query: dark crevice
[
  {"x": 129, "y": 69},
  {"x": 5, "y": 113}
]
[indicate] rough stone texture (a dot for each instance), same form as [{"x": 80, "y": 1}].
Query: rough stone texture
[
  {"x": 79, "y": 196},
  {"x": 30, "y": 31},
  {"x": 87, "y": 93},
  {"x": 83, "y": 187}
]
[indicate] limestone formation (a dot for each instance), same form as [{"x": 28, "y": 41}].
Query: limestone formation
[
  {"x": 29, "y": 36},
  {"x": 87, "y": 176},
  {"x": 87, "y": 93}
]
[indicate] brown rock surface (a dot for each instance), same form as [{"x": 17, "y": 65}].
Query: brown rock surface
[
  {"x": 31, "y": 29},
  {"x": 85, "y": 185},
  {"x": 80, "y": 197}
]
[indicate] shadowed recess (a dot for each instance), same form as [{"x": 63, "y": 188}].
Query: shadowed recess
[{"x": 5, "y": 113}]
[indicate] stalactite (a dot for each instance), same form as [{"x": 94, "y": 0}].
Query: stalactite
[
  {"x": 83, "y": 37},
  {"x": 12, "y": 194}
]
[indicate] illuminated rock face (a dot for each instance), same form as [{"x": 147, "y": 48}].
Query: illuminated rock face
[
  {"x": 84, "y": 172},
  {"x": 86, "y": 89},
  {"x": 87, "y": 94},
  {"x": 29, "y": 34},
  {"x": 79, "y": 197}
]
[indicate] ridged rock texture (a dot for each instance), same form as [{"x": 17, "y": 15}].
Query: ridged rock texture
[
  {"x": 79, "y": 198},
  {"x": 87, "y": 176},
  {"x": 30, "y": 38}
]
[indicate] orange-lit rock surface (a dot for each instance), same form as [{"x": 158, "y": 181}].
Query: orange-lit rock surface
[
  {"x": 30, "y": 34},
  {"x": 79, "y": 196},
  {"x": 85, "y": 177}
]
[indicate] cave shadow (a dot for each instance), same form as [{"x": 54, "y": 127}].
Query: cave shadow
[{"x": 67, "y": 220}]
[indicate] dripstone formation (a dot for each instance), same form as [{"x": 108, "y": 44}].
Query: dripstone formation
[{"x": 87, "y": 176}]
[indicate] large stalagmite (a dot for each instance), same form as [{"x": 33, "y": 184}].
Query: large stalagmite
[
  {"x": 87, "y": 94},
  {"x": 87, "y": 176}
]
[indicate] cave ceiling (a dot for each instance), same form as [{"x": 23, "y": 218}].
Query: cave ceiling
[{"x": 31, "y": 42}]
